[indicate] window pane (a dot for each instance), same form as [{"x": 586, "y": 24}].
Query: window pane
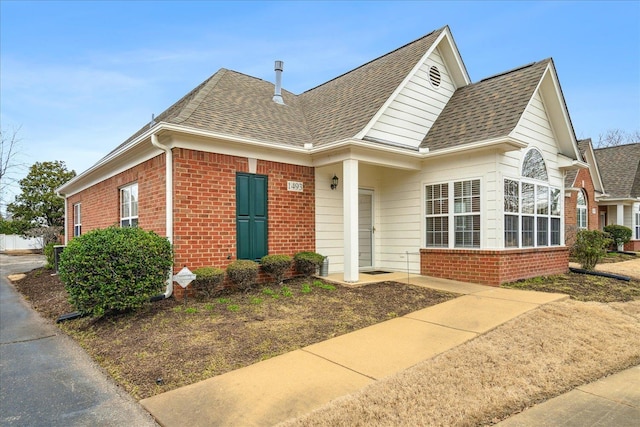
[
  {"x": 543, "y": 229},
  {"x": 467, "y": 231},
  {"x": 555, "y": 231},
  {"x": 542, "y": 200},
  {"x": 555, "y": 202},
  {"x": 466, "y": 196},
  {"x": 134, "y": 200},
  {"x": 533, "y": 166},
  {"x": 511, "y": 196},
  {"x": 437, "y": 231},
  {"x": 527, "y": 230},
  {"x": 125, "y": 200},
  {"x": 527, "y": 198},
  {"x": 511, "y": 232},
  {"x": 437, "y": 199}
]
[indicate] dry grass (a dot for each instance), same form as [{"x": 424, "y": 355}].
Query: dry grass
[{"x": 539, "y": 355}]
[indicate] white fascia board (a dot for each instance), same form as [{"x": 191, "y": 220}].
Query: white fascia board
[
  {"x": 567, "y": 163},
  {"x": 594, "y": 169},
  {"x": 557, "y": 105},
  {"x": 102, "y": 163},
  {"x": 504, "y": 143},
  {"x": 108, "y": 166},
  {"x": 605, "y": 201},
  {"x": 396, "y": 92}
]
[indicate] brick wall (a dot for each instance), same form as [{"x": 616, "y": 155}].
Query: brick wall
[
  {"x": 583, "y": 181},
  {"x": 489, "y": 267},
  {"x": 205, "y": 208},
  {"x": 632, "y": 246},
  {"x": 100, "y": 203}
]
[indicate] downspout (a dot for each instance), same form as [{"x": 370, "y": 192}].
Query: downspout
[{"x": 169, "y": 202}]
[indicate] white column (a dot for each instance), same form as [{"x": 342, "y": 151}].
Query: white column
[
  {"x": 620, "y": 214},
  {"x": 350, "y": 206}
]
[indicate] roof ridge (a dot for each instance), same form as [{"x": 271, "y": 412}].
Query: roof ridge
[
  {"x": 513, "y": 70},
  {"x": 617, "y": 146},
  {"x": 375, "y": 59},
  {"x": 201, "y": 93}
]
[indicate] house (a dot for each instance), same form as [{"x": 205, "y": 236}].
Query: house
[
  {"x": 400, "y": 164},
  {"x": 583, "y": 189},
  {"x": 620, "y": 170}
]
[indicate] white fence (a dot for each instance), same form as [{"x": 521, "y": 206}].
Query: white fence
[{"x": 13, "y": 242}]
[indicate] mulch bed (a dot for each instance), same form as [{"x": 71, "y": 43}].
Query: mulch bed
[{"x": 169, "y": 344}]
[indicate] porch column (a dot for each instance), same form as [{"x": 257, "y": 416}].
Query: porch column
[
  {"x": 350, "y": 206},
  {"x": 620, "y": 214}
]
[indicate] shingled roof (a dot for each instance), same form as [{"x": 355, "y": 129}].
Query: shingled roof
[
  {"x": 488, "y": 109},
  {"x": 620, "y": 170},
  {"x": 342, "y": 107}
]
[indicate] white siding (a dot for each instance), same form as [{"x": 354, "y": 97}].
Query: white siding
[
  {"x": 410, "y": 116},
  {"x": 398, "y": 231},
  {"x": 481, "y": 165},
  {"x": 329, "y": 218}
]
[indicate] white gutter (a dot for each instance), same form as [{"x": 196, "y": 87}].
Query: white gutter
[{"x": 168, "y": 200}]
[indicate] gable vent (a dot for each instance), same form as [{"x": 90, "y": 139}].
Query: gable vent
[{"x": 434, "y": 76}]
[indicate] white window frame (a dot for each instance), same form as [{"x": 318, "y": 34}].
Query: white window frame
[
  {"x": 129, "y": 205},
  {"x": 454, "y": 235},
  {"x": 637, "y": 233},
  {"x": 582, "y": 217},
  {"x": 77, "y": 219}
]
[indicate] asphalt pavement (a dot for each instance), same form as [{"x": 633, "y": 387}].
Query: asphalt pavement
[{"x": 46, "y": 379}]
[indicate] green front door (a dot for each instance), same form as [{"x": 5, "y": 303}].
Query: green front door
[{"x": 251, "y": 215}]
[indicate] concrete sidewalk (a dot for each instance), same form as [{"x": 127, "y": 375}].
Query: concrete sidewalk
[
  {"x": 298, "y": 382},
  {"x": 611, "y": 401}
]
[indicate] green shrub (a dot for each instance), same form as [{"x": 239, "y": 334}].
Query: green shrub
[
  {"x": 590, "y": 246},
  {"x": 243, "y": 273},
  {"x": 208, "y": 281},
  {"x": 49, "y": 254},
  {"x": 276, "y": 266},
  {"x": 307, "y": 263},
  {"x": 114, "y": 269},
  {"x": 619, "y": 234}
]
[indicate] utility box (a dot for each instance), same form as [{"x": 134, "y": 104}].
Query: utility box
[{"x": 324, "y": 268}]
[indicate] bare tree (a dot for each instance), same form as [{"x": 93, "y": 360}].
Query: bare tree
[
  {"x": 9, "y": 150},
  {"x": 615, "y": 137}
]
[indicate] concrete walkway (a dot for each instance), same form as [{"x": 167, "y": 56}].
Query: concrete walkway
[
  {"x": 46, "y": 379},
  {"x": 298, "y": 382},
  {"x": 611, "y": 401}
]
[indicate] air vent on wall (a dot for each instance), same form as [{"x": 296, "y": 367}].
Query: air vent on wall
[{"x": 434, "y": 76}]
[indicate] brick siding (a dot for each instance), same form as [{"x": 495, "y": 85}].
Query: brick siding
[
  {"x": 100, "y": 203},
  {"x": 491, "y": 267},
  {"x": 583, "y": 181}
]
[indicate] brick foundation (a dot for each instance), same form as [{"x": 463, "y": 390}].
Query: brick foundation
[
  {"x": 632, "y": 246},
  {"x": 493, "y": 267}
]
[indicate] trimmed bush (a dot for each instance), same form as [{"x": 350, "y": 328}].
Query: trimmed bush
[
  {"x": 114, "y": 269},
  {"x": 243, "y": 273},
  {"x": 49, "y": 254},
  {"x": 208, "y": 281},
  {"x": 276, "y": 266},
  {"x": 590, "y": 246},
  {"x": 619, "y": 234},
  {"x": 307, "y": 263}
]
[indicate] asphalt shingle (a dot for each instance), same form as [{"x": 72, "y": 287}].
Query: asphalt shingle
[{"x": 620, "y": 170}]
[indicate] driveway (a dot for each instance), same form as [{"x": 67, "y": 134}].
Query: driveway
[{"x": 47, "y": 379}]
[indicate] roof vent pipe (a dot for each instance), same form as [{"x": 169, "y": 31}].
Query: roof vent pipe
[{"x": 277, "y": 97}]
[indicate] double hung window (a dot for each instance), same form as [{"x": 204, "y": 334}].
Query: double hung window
[
  {"x": 129, "y": 205},
  {"x": 453, "y": 206},
  {"x": 77, "y": 220}
]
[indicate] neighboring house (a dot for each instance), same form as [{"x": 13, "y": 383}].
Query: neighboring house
[
  {"x": 400, "y": 164},
  {"x": 583, "y": 189},
  {"x": 620, "y": 170}
]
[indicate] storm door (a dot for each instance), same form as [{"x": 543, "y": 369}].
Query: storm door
[{"x": 365, "y": 229}]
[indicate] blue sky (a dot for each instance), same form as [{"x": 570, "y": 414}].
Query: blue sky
[{"x": 78, "y": 77}]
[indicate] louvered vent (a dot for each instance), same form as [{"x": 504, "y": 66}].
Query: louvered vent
[{"x": 434, "y": 76}]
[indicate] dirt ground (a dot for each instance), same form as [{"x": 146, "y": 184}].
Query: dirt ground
[{"x": 169, "y": 344}]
